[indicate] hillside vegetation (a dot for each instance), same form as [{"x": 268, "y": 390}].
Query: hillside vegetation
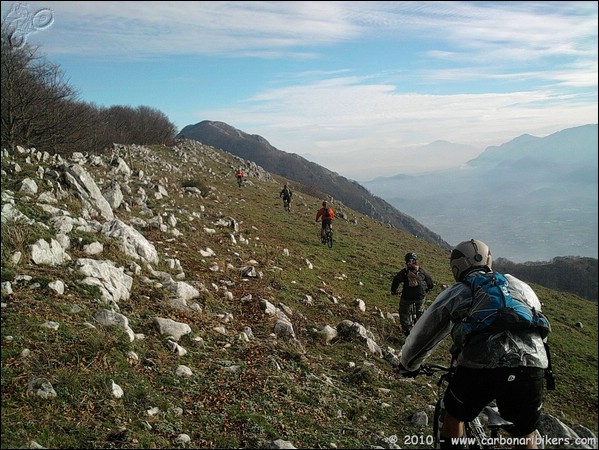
[
  {"x": 247, "y": 384},
  {"x": 574, "y": 274}
]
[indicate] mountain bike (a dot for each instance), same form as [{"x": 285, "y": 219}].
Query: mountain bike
[
  {"x": 239, "y": 181},
  {"x": 328, "y": 237},
  {"x": 413, "y": 310},
  {"x": 475, "y": 434},
  {"x": 413, "y": 314},
  {"x": 287, "y": 204}
]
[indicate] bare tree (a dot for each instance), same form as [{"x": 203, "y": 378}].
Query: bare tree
[
  {"x": 40, "y": 109},
  {"x": 153, "y": 127},
  {"x": 120, "y": 122},
  {"x": 141, "y": 125},
  {"x": 13, "y": 68},
  {"x": 87, "y": 129},
  {"x": 37, "y": 103}
]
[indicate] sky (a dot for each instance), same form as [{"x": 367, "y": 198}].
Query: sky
[{"x": 364, "y": 89}]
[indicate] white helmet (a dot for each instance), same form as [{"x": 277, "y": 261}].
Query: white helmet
[{"x": 468, "y": 256}]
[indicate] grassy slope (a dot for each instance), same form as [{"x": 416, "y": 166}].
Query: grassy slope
[{"x": 310, "y": 395}]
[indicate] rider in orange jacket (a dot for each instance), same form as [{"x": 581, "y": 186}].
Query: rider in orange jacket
[{"x": 327, "y": 214}]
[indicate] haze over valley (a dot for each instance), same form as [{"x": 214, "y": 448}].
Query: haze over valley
[{"x": 531, "y": 199}]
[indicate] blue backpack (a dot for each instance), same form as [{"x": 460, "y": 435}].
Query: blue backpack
[{"x": 494, "y": 309}]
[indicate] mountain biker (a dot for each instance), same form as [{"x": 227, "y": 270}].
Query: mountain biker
[
  {"x": 239, "y": 174},
  {"x": 505, "y": 365},
  {"x": 286, "y": 194},
  {"x": 327, "y": 214},
  {"x": 416, "y": 283}
]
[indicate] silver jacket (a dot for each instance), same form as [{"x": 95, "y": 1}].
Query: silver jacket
[{"x": 502, "y": 349}]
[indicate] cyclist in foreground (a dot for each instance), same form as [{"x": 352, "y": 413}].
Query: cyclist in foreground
[
  {"x": 416, "y": 283},
  {"x": 505, "y": 365},
  {"x": 327, "y": 214}
]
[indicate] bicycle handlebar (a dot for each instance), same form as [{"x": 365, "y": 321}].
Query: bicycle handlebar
[{"x": 430, "y": 369}]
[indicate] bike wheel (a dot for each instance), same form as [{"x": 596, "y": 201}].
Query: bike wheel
[
  {"x": 475, "y": 434},
  {"x": 330, "y": 239},
  {"x": 413, "y": 314},
  {"x": 412, "y": 318},
  {"x": 438, "y": 423}
]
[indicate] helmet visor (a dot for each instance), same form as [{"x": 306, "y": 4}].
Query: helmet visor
[{"x": 456, "y": 254}]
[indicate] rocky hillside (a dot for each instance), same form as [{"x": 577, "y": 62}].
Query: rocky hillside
[
  {"x": 313, "y": 176},
  {"x": 149, "y": 302}
]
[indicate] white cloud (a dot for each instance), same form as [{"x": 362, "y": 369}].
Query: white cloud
[
  {"x": 340, "y": 115},
  {"x": 477, "y": 73}
]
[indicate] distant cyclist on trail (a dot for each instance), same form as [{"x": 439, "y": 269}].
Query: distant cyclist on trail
[
  {"x": 286, "y": 194},
  {"x": 416, "y": 283},
  {"x": 239, "y": 174},
  {"x": 327, "y": 214}
]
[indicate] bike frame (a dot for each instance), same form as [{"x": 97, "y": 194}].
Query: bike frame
[
  {"x": 413, "y": 312},
  {"x": 328, "y": 236}
]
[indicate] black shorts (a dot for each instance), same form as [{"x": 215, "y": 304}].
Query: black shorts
[
  {"x": 518, "y": 392},
  {"x": 326, "y": 222}
]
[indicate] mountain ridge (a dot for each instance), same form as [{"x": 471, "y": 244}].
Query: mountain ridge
[
  {"x": 296, "y": 168},
  {"x": 569, "y": 146}
]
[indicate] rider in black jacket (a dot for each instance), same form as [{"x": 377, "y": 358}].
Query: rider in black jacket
[{"x": 416, "y": 283}]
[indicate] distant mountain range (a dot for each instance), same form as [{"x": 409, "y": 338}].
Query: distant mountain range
[
  {"x": 531, "y": 199},
  {"x": 295, "y": 168}
]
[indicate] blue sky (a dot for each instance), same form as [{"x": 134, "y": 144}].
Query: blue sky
[{"x": 360, "y": 88}]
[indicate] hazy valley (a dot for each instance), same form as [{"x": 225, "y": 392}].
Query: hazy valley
[{"x": 531, "y": 199}]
